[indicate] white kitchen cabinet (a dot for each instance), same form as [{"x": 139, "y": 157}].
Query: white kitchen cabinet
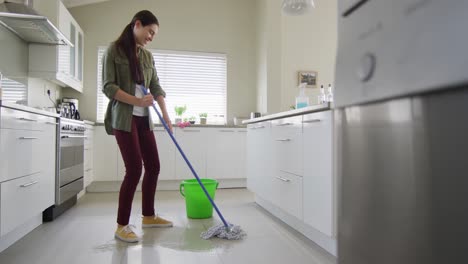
[
  {"x": 287, "y": 145},
  {"x": 259, "y": 159},
  {"x": 106, "y": 153},
  {"x": 167, "y": 154},
  {"x": 61, "y": 64},
  {"x": 318, "y": 174},
  {"x": 193, "y": 142},
  {"x": 88, "y": 163},
  {"x": 203, "y": 148},
  {"x": 27, "y": 166},
  {"x": 226, "y": 153}
]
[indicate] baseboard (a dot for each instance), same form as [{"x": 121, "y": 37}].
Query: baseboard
[
  {"x": 324, "y": 241},
  {"x": 9, "y": 239},
  {"x": 163, "y": 185}
]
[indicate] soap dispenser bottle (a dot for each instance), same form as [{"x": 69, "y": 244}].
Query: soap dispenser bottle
[{"x": 302, "y": 100}]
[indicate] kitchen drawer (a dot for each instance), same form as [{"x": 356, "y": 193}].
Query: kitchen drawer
[
  {"x": 317, "y": 119},
  {"x": 286, "y": 193},
  {"x": 16, "y": 119},
  {"x": 23, "y": 198},
  {"x": 21, "y": 152},
  {"x": 287, "y": 145}
]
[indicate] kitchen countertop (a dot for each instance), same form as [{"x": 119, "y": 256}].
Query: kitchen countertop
[
  {"x": 301, "y": 111},
  {"x": 87, "y": 122},
  {"x": 28, "y": 109}
]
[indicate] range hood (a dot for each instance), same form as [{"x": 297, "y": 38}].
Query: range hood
[{"x": 29, "y": 25}]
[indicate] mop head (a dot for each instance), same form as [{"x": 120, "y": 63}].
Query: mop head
[{"x": 232, "y": 233}]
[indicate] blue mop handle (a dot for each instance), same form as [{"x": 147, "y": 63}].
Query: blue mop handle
[{"x": 144, "y": 90}]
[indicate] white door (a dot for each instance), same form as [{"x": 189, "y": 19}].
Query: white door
[
  {"x": 225, "y": 154},
  {"x": 258, "y": 159},
  {"x": 318, "y": 177},
  {"x": 167, "y": 154},
  {"x": 193, "y": 142},
  {"x": 106, "y": 153}
]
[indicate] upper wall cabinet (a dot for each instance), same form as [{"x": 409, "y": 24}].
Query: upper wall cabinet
[{"x": 60, "y": 64}]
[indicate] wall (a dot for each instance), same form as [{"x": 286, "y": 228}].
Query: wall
[
  {"x": 224, "y": 26},
  {"x": 288, "y": 44}
]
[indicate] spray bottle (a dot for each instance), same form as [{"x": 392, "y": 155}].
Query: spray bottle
[{"x": 302, "y": 100}]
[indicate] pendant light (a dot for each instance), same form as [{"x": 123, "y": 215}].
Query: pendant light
[{"x": 297, "y": 7}]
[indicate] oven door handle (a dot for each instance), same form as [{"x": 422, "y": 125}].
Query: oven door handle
[{"x": 73, "y": 136}]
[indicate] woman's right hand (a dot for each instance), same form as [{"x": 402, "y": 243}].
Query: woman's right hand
[{"x": 146, "y": 101}]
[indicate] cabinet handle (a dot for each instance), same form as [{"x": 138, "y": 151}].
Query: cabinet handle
[
  {"x": 86, "y": 149},
  {"x": 26, "y": 119},
  {"x": 312, "y": 121},
  {"x": 226, "y": 131},
  {"x": 283, "y": 179},
  {"x": 52, "y": 123},
  {"x": 242, "y": 131},
  {"x": 259, "y": 127},
  {"x": 88, "y": 170},
  {"x": 284, "y": 140},
  {"x": 74, "y": 137},
  {"x": 191, "y": 130},
  {"x": 161, "y": 130},
  {"x": 28, "y": 184},
  {"x": 24, "y": 138},
  {"x": 285, "y": 124}
]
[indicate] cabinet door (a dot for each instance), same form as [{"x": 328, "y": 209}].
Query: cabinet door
[
  {"x": 225, "y": 154},
  {"x": 80, "y": 50},
  {"x": 106, "y": 152},
  {"x": 88, "y": 156},
  {"x": 318, "y": 175},
  {"x": 258, "y": 159},
  {"x": 193, "y": 142},
  {"x": 73, "y": 50},
  {"x": 167, "y": 154}
]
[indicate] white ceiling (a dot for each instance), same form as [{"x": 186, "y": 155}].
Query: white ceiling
[{"x": 73, "y": 3}]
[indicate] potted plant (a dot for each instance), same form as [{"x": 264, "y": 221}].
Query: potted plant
[
  {"x": 179, "y": 110},
  {"x": 192, "y": 120},
  {"x": 203, "y": 117}
]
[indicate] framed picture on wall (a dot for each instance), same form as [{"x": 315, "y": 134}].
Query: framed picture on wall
[{"x": 309, "y": 77}]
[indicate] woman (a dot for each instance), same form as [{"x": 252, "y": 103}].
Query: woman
[{"x": 126, "y": 66}]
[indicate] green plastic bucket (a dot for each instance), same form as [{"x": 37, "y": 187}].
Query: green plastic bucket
[{"x": 196, "y": 203}]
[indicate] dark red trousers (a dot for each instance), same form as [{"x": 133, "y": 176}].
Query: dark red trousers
[{"x": 138, "y": 149}]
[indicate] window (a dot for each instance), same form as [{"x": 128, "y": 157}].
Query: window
[
  {"x": 13, "y": 91},
  {"x": 194, "y": 79}
]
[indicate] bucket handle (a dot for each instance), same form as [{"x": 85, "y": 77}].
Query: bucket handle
[
  {"x": 182, "y": 185},
  {"x": 180, "y": 189}
]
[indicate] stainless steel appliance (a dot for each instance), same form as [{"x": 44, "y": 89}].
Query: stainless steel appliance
[
  {"x": 70, "y": 170},
  {"x": 401, "y": 113}
]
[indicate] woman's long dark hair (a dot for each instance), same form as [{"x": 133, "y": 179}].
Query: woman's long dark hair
[{"x": 126, "y": 42}]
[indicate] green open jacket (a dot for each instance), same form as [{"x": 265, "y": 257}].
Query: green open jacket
[{"x": 116, "y": 75}]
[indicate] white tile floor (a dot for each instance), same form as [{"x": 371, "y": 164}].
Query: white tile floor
[{"x": 84, "y": 235}]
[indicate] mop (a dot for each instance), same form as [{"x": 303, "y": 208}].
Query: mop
[{"x": 224, "y": 230}]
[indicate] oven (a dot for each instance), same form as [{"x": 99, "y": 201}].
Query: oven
[{"x": 69, "y": 166}]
